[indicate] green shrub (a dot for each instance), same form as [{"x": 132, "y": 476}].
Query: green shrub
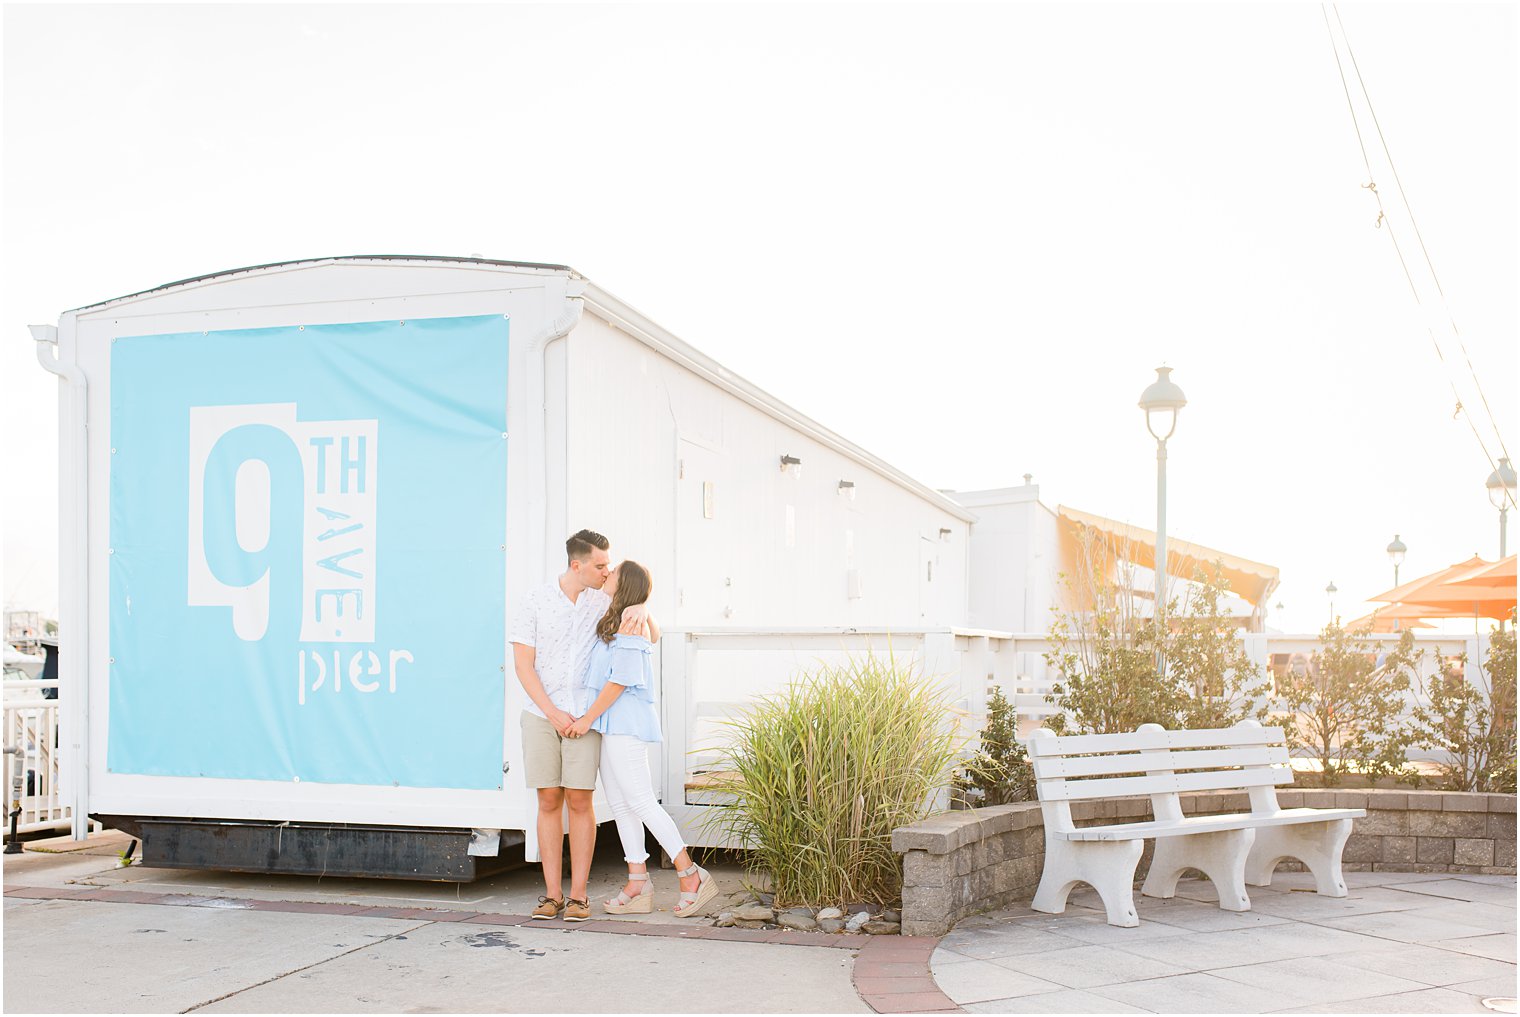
[
  {"x": 1346, "y": 708},
  {"x": 817, "y": 777},
  {"x": 1120, "y": 670},
  {"x": 1000, "y": 772},
  {"x": 1501, "y": 780},
  {"x": 1474, "y": 729}
]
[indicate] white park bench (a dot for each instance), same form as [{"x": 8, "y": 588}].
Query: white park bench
[{"x": 1232, "y": 849}]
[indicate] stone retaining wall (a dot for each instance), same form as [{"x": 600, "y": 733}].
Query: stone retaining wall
[{"x": 960, "y": 863}]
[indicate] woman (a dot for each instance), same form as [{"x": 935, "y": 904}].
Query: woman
[{"x": 620, "y": 676}]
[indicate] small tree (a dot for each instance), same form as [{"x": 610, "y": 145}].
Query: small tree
[
  {"x": 1000, "y": 770},
  {"x": 1207, "y": 660},
  {"x": 1501, "y": 692},
  {"x": 1109, "y": 659},
  {"x": 1347, "y": 707},
  {"x": 1476, "y": 731},
  {"x": 1105, "y": 652},
  {"x": 1109, "y": 680}
]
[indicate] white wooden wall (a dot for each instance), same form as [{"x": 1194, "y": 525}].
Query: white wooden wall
[{"x": 686, "y": 478}]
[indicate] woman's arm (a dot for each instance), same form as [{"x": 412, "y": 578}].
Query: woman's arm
[{"x": 609, "y": 695}]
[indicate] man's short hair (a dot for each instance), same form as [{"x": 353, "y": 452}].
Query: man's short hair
[{"x": 581, "y": 544}]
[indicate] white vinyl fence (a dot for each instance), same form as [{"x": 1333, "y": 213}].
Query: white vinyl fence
[
  {"x": 1273, "y": 652},
  {"x": 32, "y": 757},
  {"x": 709, "y": 676}
]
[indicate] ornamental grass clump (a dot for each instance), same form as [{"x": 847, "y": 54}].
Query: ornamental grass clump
[{"x": 816, "y": 778}]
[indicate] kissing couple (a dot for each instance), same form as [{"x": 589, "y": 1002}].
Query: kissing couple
[{"x": 581, "y": 648}]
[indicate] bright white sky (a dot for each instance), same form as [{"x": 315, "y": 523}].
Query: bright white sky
[{"x": 962, "y": 236}]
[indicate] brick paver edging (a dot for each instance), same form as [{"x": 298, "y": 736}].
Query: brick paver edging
[
  {"x": 892, "y": 976},
  {"x": 782, "y": 937}
]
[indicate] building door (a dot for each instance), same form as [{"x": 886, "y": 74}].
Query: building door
[
  {"x": 704, "y": 526},
  {"x": 928, "y": 563}
]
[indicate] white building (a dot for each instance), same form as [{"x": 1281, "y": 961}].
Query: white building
[{"x": 298, "y": 500}]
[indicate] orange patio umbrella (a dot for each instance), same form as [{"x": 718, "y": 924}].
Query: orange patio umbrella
[
  {"x": 1396, "y": 618},
  {"x": 1500, "y": 573},
  {"x": 1444, "y": 594},
  {"x": 1461, "y": 570}
]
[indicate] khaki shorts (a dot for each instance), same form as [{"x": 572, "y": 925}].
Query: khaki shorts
[{"x": 552, "y": 761}]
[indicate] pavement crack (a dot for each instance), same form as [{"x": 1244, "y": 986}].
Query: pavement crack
[{"x": 304, "y": 967}]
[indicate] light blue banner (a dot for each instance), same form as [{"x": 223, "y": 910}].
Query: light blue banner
[{"x": 307, "y": 565}]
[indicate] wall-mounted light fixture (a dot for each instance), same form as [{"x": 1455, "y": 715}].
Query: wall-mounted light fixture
[
  {"x": 792, "y": 465},
  {"x": 847, "y": 490}
]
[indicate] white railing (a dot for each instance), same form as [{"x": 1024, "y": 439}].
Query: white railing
[
  {"x": 32, "y": 757},
  {"x": 718, "y": 672},
  {"x": 710, "y": 674},
  {"x": 709, "y": 677},
  {"x": 1033, "y": 676}
]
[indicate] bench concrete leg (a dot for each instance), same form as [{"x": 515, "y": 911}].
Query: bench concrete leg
[
  {"x": 1107, "y": 866},
  {"x": 1221, "y": 856},
  {"x": 1317, "y": 845}
]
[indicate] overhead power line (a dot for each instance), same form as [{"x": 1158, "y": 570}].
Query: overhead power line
[{"x": 1384, "y": 222}]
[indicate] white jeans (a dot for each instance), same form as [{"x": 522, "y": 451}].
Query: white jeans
[{"x": 625, "y": 778}]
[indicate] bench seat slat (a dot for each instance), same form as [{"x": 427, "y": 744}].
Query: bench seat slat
[
  {"x": 1056, "y": 789},
  {"x": 1130, "y": 741},
  {"x": 1144, "y": 762},
  {"x": 1204, "y": 824}
]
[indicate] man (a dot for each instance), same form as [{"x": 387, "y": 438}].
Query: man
[{"x": 552, "y": 634}]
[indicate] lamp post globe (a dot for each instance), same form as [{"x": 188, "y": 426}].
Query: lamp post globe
[
  {"x": 1396, "y": 551},
  {"x": 1501, "y": 492},
  {"x": 1331, "y": 591},
  {"x": 1161, "y": 401}
]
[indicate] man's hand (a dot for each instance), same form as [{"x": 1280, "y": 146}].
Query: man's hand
[
  {"x": 561, "y": 721},
  {"x": 579, "y": 728},
  {"x": 635, "y": 621}
]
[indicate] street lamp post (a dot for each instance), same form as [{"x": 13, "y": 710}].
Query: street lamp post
[
  {"x": 1501, "y": 491},
  {"x": 1396, "y": 551},
  {"x": 1396, "y": 555},
  {"x": 1331, "y": 591},
  {"x": 1161, "y": 401}
]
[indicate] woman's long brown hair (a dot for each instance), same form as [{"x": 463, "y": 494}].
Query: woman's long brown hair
[{"x": 633, "y": 587}]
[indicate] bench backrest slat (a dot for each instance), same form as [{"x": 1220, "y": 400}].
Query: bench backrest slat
[
  {"x": 1060, "y": 790},
  {"x": 1132, "y": 741},
  {"x": 1151, "y": 760},
  {"x": 1160, "y": 763}
]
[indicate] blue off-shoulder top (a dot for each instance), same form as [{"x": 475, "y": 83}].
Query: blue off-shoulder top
[{"x": 625, "y": 662}]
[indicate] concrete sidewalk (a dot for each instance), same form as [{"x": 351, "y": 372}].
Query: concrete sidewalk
[
  {"x": 175, "y": 940},
  {"x": 1398, "y": 942},
  {"x": 83, "y": 935}
]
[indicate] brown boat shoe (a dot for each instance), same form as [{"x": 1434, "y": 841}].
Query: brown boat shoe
[
  {"x": 577, "y": 910},
  {"x": 548, "y": 907}
]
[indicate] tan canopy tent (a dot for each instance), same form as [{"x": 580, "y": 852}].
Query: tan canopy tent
[{"x": 1250, "y": 580}]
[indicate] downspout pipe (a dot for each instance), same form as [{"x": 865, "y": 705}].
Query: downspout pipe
[
  {"x": 536, "y": 424},
  {"x": 74, "y": 557},
  {"x": 538, "y": 409}
]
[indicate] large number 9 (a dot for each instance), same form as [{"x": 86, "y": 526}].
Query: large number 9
[{"x": 252, "y": 498}]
